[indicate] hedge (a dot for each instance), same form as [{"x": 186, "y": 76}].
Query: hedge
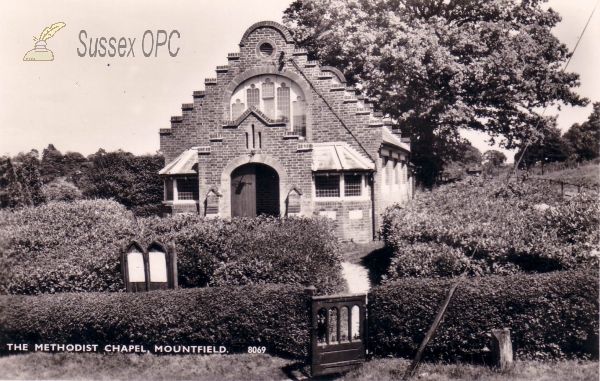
[
  {"x": 215, "y": 252},
  {"x": 485, "y": 227},
  {"x": 551, "y": 316},
  {"x": 275, "y": 316},
  {"x": 75, "y": 247}
]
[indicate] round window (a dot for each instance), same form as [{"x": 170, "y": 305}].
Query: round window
[{"x": 266, "y": 49}]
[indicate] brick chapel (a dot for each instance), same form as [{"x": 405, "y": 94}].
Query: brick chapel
[{"x": 277, "y": 134}]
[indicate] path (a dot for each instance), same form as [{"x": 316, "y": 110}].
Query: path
[{"x": 357, "y": 277}]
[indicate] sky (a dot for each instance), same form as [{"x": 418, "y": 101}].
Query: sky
[{"x": 85, "y": 103}]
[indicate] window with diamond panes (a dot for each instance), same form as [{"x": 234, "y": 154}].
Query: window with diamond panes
[
  {"x": 187, "y": 189},
  {"x": 299, "y": 122},
  {"x": 283, "y": 102},
  {"x": 352, "y": 185},
  {"x": 268, "y": 96},
  {"x": 253, "y": 97},
  {"x": 327, "y": 186},
  {"x": 237, "y": 109}
]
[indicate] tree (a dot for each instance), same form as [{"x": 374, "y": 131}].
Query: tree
[
  {"x": 27, "y": 170},
  {"x": 11, "y": 192},
  {"x": 130, "y": 180},
  {"x": 551, "y": 148},
  {"x": 438, "y": 66},
  {"x": 495, "y": 158},
  {"x": 584, "y": 138},
  {"x": 52, "y": 165}
]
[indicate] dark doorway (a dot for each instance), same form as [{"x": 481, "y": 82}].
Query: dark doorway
[{"x": 254, "y": 191}]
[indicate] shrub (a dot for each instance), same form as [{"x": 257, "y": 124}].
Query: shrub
[
  {"x": 61, "y": 190},
  {"x": 489, "y": 229},
  {"x": 240, "y": 251},
  {"x": 274, "y": 316},
  {"x": 551, "y": 316},
  {"x": 66, "y": 246},
  {"x": 74, "y": 247}
]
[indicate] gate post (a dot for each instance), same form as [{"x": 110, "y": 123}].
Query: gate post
[{"x": 310, "y": 292}]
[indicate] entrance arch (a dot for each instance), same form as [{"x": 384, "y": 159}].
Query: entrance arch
[{"x": 254, "y": 191}]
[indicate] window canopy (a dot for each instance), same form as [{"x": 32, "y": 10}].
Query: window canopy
[{"x": 338, "y": 157}]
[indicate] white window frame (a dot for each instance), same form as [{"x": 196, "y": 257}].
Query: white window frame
[
  {"x": 364, "y": 194},
  {"x": 175, "y": 193},
  {"x": 276, "y": 80}
]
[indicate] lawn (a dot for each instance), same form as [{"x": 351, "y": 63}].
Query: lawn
[
  {"x": 85, "y": 366},
  {"x": 587, "y": 175}
]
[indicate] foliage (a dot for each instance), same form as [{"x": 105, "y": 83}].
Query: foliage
[
  {"x": 61, "y": 190},
  {"x": 486, "y": 228},
  {"x": 275, "y": 316},
  {"x": 27, "y": 171},
  {"x": 494, "y": 157},
  {"x": 550, "y": 148},
  {"x": 76, "y": 246},
  {"x": 130, "y": 180},
  {"x": 240, "y": 251},
  {"x": 437, "y": 66},
  {"x": 11, "y": 191},
  {"x": 551, "y": 316},
  {"x": 66, "y": 246},
  {"x": 585, "y": 138}
]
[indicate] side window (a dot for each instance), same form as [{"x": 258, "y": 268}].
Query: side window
[
  {"x": 327, "y": 186},
  {"x": 187, "y": 189}
]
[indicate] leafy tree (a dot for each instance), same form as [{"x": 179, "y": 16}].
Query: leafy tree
[
  {"x": 551, "y": 148},
  {"x": 584, "y": 138},
  {"x": 27, "y": 170},
  {"x": 465, "y": 156},
  {"x": 130, "y": 180},
  {"x": 11, "y": 192},
  {"x": 437, "y": 66},
  {"x": 61, "y": 190},
  {"x": 52, "y": 165},
  {"x": 495, "y": 158}
]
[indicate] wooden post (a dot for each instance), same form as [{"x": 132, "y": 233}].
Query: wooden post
[
  {"x": 562, "y": 189},
  {"x": 502, "y": 349}
]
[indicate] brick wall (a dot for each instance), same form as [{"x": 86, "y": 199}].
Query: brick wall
[{"x": 334, "y": 114}]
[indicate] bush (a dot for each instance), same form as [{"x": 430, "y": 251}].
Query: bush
[
  {"x": 66, "y": 246},
  {"x": 241, "y": 251},
  {"x": 489, "y": 229},
  {"x": 61, "y": 190},
  {"x": 274, "y": 316},
  {"x": 74, "y": 247},
  {"x": 551, "y": 316}
]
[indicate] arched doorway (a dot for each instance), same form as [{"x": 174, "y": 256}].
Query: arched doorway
[{"x": 254, "y": 191}]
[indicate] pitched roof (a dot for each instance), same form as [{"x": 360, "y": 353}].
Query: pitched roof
[
  {"x": 389, "y": 138},
  {"x": 184, "y": 164},
  {"x": 338, "y": 156}
]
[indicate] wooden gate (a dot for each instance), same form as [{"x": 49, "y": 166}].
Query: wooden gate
[{"x": 339, "y": 327}]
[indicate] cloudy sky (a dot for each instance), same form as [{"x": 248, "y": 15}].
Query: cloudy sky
[{"x": 83, "y": 103}]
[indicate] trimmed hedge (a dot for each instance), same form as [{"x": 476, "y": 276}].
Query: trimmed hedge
[
  {"x": 75, "y": 247},
  {"x": 275, "y": 316},
  {"x": 240, "y": 251},
  {"x": 486, "y": 228},
  {"x": 551, "y": 316}
]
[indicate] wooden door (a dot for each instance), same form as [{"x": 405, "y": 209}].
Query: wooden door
[{"x": 243, "y": 191}]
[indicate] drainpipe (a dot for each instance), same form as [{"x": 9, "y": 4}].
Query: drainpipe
[{"x": 373, "y": 203}]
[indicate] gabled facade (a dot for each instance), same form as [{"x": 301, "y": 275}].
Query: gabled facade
[{"x": 277, "y": 134}]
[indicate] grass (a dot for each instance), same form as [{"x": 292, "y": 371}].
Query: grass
[
  {"x": 393, "y": 369},
  {"x": 587, "y": 175},
  {"x": 88, "y": 366}
]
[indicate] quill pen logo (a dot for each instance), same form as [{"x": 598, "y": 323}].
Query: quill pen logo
[{"x": 41, "y": 53}]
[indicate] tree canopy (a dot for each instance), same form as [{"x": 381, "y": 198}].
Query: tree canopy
[
  {"x": 438, "y": 66},
  {"x": 585, "y": 138}
]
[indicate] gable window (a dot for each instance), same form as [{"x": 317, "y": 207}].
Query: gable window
[{"x": 276, "y": 96}]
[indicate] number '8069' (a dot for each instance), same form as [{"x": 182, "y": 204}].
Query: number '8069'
[{"x": 257, "y": 349}]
